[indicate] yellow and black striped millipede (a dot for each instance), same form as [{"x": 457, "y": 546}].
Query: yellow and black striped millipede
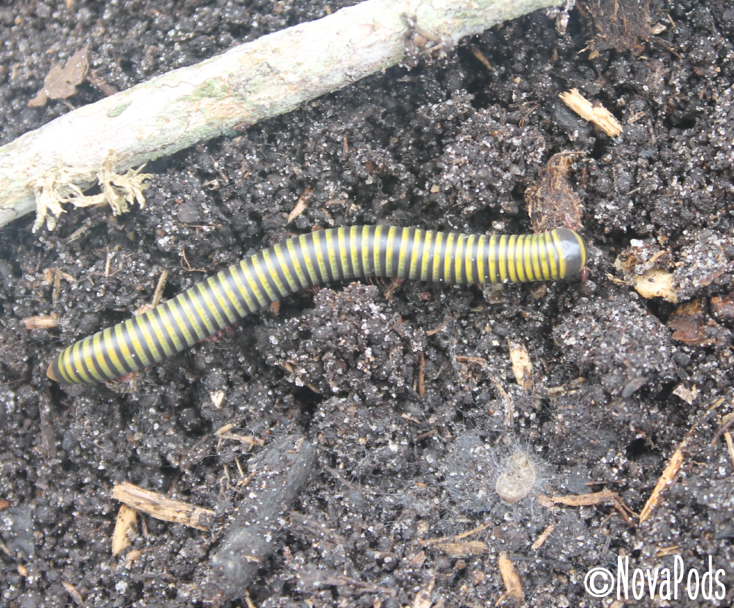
[{"x": 311, "y": 259}]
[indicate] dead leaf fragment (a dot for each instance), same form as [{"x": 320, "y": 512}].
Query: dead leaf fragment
[
  {"x": 598, "y": 116},
  {"x": 619, "y": 24},
  {"x": 692, "y": 326},
  {"x": 551, "y": 201},
  {"x": 722, "y": 307},
  {"x": 656, "y": 283},
  {"x": 61, "y": 82}
]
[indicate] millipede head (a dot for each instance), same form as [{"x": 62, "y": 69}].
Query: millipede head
[
  {"x": 572, "y": 249},
  {"x": 53, "y": 371}
]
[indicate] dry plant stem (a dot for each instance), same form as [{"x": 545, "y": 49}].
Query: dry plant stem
[
  {"x": 161, "y": 507},
  {"x": 269, "y": 76}
]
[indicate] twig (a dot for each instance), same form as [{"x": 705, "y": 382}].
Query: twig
[
  {"x": 281, "y": 472},
  {"x": 267, "y": 77},
  {"x": 670, "y": 472}
]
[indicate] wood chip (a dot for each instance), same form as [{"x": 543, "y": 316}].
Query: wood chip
[
  {"x": 599, "y": 115},
  {"x": 41, "y": 322},
  {"x": 521, "y": 365},
  {"x": 158, "y": 293},
  {"x": 421, "y": 375},
  {"x": 687, "y": 394},
  {"x": 224, "y": 429},
  {"x": 729, "y": 445},
  {"x": 301, "y": 205},
  {"x": 75, "y": 595},
  {"x": 247, "y": 440},
  {"x": 656, "y": 283},
  {"x": 126, "y": 519},
  {"x": 479, "y": 55},
  {"x": 161, "y": 507},
  {"x": 423, "y": 597},
  {"x": 217, "y": 398},
  {"x": 467, "y": 549},
  {"x": 543, "y": 537},
  {"x": 510, "y": 578},
  {"x": 665, "y": 551},
  {"x": 509, "y": 406}
]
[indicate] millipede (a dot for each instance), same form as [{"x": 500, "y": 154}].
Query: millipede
[{"x": 311, "y": 259}]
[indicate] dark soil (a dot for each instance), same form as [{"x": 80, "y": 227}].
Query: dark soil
[{"x": 408, "y": 394}]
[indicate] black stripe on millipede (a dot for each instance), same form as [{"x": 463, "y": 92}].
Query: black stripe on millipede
[
  {"x": 156, "y": 312},
  {"x": 382, "y": 251},
  {"x": 229, "y": 284},
  {"x": 442, "y": 257},
  {"x": 474, "y": 253},
  {"x": 206, "y": 289},
  {"x": 117, "y": 347},
  {"x": 494, "y": 247},
  {"x": 326, "y": 258},
  {"x": 92, "y": 356},
  {"x": 369, "y": 246},
  {"x": 248, "y": 288},
  {"x": 359, "y": 272},
  {"x": 128, "y": 340},
  {"x": 258, "y": 261},
  {"x": 174, "y": 306},
  {"x": 339, "y": 254},
  {"x": 314, "y": 244},
  {"x": 459, "y": 247},
  {"x": 140, "y": 333},
  {"x": 301, "y": 259},
  {"x": 417, "y": 254},
  {"x": 280, "y": 272},
  {"x": 204, "y": 308},
  {"x": 347, "y": 253},
  {"x": 201, "y": 331},
  {"x": 105, "y": 348},
  {"x": 309, "y": 253}
]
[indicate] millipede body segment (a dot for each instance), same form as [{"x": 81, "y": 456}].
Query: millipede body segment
[{"x": 311, "y": 259}]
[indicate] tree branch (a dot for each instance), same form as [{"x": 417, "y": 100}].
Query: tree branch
[{"x": 269, "y": 76}]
